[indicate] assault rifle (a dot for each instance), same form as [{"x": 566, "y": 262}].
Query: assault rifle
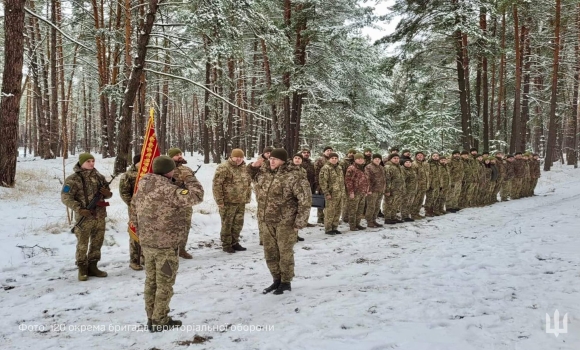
[
  {"x": 97, "y": 198},
  {"x": 196, "y": 170}
]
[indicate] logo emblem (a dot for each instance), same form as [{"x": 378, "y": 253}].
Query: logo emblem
[{"x": 557, "y": 330}]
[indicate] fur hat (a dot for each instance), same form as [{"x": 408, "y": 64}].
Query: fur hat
[
  {"x": 332, "y": 155},
  {"x": 163, "y": 165},
  {"x": 136, "y": 158},
  {"x": 83, "y": 157},
  {"x": 377, "y": 155},
  {"x": 173, "y": 152},
  {"x": 279, "y": 153},
  {"x": 359, "y": 156},
  {"x": 236, "y": 152},
  {"x": 406, "y": 159}
]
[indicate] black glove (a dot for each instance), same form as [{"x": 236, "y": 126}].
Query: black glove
[
  {"x": 105, "y": 192},
  {"x": 86, "y": 213}
]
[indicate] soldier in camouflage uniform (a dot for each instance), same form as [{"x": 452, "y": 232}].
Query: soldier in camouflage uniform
[
  {"x": 344, "y": 164},
  {"x": 410, "y": 175},
  {"x": 519, "y": 173},
  {"x": 422, "y": 169},
  {"x": 153, "y": 210},
  {"x": 501, "y": 174},
  {"x": 357, "y": 188},
  {"x": 506, "y": 188},
  {"x": 320, "y": 162},
  {"x": 126, "y": 189},
  {"x": 536, "y": 173},
  {"x": 456, "y": 175},
  {"x": 368, "y": 153},
  {"x": 527, "y": 175},
  {"x": 395, "y": 189},
  {"x": 445, "y": 183},
  {"x": 265, "y": 156},
  {"x": 232, "y": 191},
  {"x": 286, "y": 199},
  {"x": 331, "y": 182},
  {"x": 181, "y": 172},
  {"x": 308, "y": 165},
  {"x": 434, "y": 185},
  {"x": 77, "y": 192},
  {"x": 493, "y": 181},
  {"x": 376, "y": 175},
  {"x": 297, "y": 162}
]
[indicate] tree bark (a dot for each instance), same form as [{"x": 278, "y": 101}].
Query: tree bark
[
  {"x": 466, "y": 137},
  {"x": 516, "y": 122},
  {"x": 554, "y": 98},
  {"x": 571, "y": 154},
  {"x": 527, "y": 67}
]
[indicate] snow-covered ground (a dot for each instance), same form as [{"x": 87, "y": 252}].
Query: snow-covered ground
[{"x": 484, "y": 278}]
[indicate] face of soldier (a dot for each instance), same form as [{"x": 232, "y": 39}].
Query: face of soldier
[
  {"x": 327, "y": 152},
  {"x": 473, "y": 153},
  {"x": 510, "y": 159},
  {"x": 178, "y": 157},
  {"x": 88, "y": 165},
  {"x": 536, "y": 157},
  {"x": 407, "y": 154},
  {"x": 435, "y": 156},
  {"x": 377, "y": 161},
  {"x": 408, "y": 164},
  {"x": 499, "y": 156},
  {"x": 465, "y": 156},
  {"x": 420, "y": 157},
  {"x": 518, "y": 156},
  {"x": 333, "y": 160},
  {"x": 443, "y": 161},
  {"x": 359, "y": 161},
  {"x": 480, "y": 158},
  {"x": 238, "y": 160},
  {"x": 297, "y": 160},
  {"x": 395, "y": 160},
  {"x": 306, "y": 155},
  {"x": 456, "y": 156},
  {"x": 368, "y": 154},
  {"x": 275, "y": 162},
  {"x": 266, "y": 155},
  {"x": 486, "y": 161}
]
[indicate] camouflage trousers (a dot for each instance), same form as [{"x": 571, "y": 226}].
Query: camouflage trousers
[
  {"x": 454, "y": 195},
  {"x": 332, "y": 213},
  {"x": 392, "y": 204},
  {"x": 431, "y": 197},
  {"x": 373, "y": 206},
  {"x": 160, "y": 271},
  {"x": 468, "y": 194},
  {"x": 90, "y": 236},
  {"x": 439, "y": 206},
  {"x": 279, "y": 243},
  {"x": 188, "y": 214},
  {"x": 356, "y": 209},
  {"x": 320, "y": 214},
  {"x": 418, "y": 201},
  {"x": 135, "y": 252},
  {"x": 345, "y": 209},
  {"x": 516, "y": 190},
  {"x": 232, "y": 216},
  {"x": 482, "y": 193},
  {"x": 505, "y": 190},
  {"x": 407, "y": 204}
]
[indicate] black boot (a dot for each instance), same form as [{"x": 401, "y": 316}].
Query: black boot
[
  {"x": 331, "y": 232},
  {"x": 272, "y": 287},
  {"x": 149, "y": 324},
  {"x": 238, "y": 247},
  {"x": 300, "y": 239},
  {"x": 165, "y": 327},
  {"x": 282, "y": 287}
]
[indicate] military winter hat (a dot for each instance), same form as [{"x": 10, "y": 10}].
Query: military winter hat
[
  {"x": 510, "y": 156},
  {"x": 267, "y": 149},
  {"x": 435, "y": 153},
  {"x": 464, "y": 152},
  {"x": 332, "y": 155},
  {"x": 419, "y": 152},
  {"x": 306, "y": 150},
  {"x": 136, "y": 158},
  {"x": 518, "y": 153},
  {"x": 173, "y": 152},
  {"x": 535, "y": 155},
  {"x": 393, "y": 155},
  {"x": 368, "y": 150},
  {"x": 327, "y": 148},
  {"x": 442, "y": 157},
  {"x": 351, "y": 151},
  {"x": 279, "y": 153},
  {"x": 376, "y": 155},
  {"x": 456, "y": 152},
  {"x": 406, "y": 151},
  {"x": 236, "y": 152},
  {"x": 83, "y": 157},
  {"x": 394, "y": 149},
  {"x": 485, "y": 152},
  {"x": 359, "y": 156},
  {"x": 298, "y": 155},
  {"x": 407, "y": 160},
  {"x": 473, "y": 149},
  {"x": 163, "y": 165}
]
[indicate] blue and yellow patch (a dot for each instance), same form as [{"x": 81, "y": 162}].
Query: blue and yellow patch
[
  {"x": 184, "y": 192},
  {"x": 66, "y": 189}
]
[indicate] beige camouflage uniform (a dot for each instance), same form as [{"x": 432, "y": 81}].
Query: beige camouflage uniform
[
  {"x": 126, "y": 189},
  {"x": 320, "y": 162},
  {"x": 77, "y": 192},
  {"x": 394, "y": 191},
  {"x": 153, "y": 211},
  {"x": 357, "y": 184},
  {"x": 185, "y": 214},
  {"x": 231, "y": 191},
  {"x": 410, "y": 176},
  {"x": 434, "y": 185},
  {"x": 331, "y": 183},
  {"x": 456, "y": 175},
  {"x": 285, "y": 197},
  {"x": 376, "y": 176},
  {"x": 422, "y": 169}
]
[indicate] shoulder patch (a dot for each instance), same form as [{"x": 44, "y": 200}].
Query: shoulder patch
[
  {"x": 66, "y": 189},
  {"x": 184, "y": 192}
]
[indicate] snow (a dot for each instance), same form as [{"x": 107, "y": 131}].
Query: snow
[{"x": 484, "y": 278}]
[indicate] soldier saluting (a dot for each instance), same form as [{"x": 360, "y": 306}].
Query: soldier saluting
[{"x": 77, "y": 192}]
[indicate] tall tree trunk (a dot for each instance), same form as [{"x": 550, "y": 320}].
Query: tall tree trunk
[
  {"x": 516, "y": 122},
  {"x": 206, "y": 111},
  {"x": 571, "y": 154},
  {"x": 554, "y": 98},
  {"x": 485, "y": 80},
  {"x": 273, "y": 107},
  {"x": 466, "y": 137},
  {"x": 11, "y": 89},
  {"x": 527, "y": 67}
]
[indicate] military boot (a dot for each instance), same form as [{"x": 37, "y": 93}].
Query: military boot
[
  {"x": 372, "y": 225},
  {"x": 83, "y": 272},
  {"x": 377, "y": 224},
  {"x": 184, "y": 254},
  {"x": 94, "y": 270},
  {"x": 272, "y": 287},
  {"x": 135, "y": 266},
  {"x": 229, "y": 250},
  {"x": 282, "y": 287},
  {"x": 237, "y": 247},
  {"x": 429, "y": 212},
  {"x": 165, "y": 327}
]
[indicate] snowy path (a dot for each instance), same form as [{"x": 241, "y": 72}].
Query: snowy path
[{"x": 480, "y": 279}]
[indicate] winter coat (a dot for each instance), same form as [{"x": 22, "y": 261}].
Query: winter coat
[
  {"x": 331, "y": 180},
  {"x": 127, "y": 184},
  {"x": 536, "y": 173},
  {"x": 444, "y": 177},
  {"x": 156, "y": 205},
  {"x": 345, "y": 163},
  {"x": 410, "y": 175},
  {"x": 470, "y": 169},
  {"x": 232, "y": 184},
  {"x": 519, "y": 168},
  {"x": 356, "y": 180},
  {"x": 456, "y": 170},
  {"x": 377, "y": 178},
  {"x": 422, "y": 169},
  {"x": 435, "y": 174},
  {"x": 509, "y": 170},
  {"x": 395, "y": 178},
  {"x": 80, "y": 188},
  {"x": 284, "y": 195},
  {"x": 320, "y": 162},
  {"x": 501, "y": 169},
  {"x": 308, "y": 165}
]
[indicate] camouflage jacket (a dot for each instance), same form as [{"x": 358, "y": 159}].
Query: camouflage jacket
[
  {"x": 494, "y": 171},
  {"x": 310, "y": 173},
  {"x": 356, "y": 180},
  {"x": 422, "y": 170},
  {"x": 470, "y": 170},
  {"x": 127, "y": 184},
  {"x": 181, "y": 172},
  {"x": 80, "y": 188},
  {"x": 435, "y": 174},
  {"x": 377, "y": 178},
  {"x": 509, "y": 170},
  {"x": 320, "y": 162},
  {"x": 394, "y": 178},
  {"x": 519, "y": 170},
  {"x": 456, "y": 171},
  {"x": 345, "y": 163},
  {"x": 485, "y": 173},
  {"x": 527, "y": 172},
  {"x": 535, "y": 171},
  {"x": 481, "y": 172},
  {"x": 284, "y": 196},
  {"x": 444, "y": 177},
  {"x": 331, "y": 180},
  {"x": 501, "y": 169},
  {"x": 368, "y": 160},
  {"x": 156, "y": 204},
  {"x": 410, "y": 180},
  {"x": 232, "y": 184}
]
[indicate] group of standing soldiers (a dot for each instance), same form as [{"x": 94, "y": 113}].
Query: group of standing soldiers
[{"x": 356, "y": 186}]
